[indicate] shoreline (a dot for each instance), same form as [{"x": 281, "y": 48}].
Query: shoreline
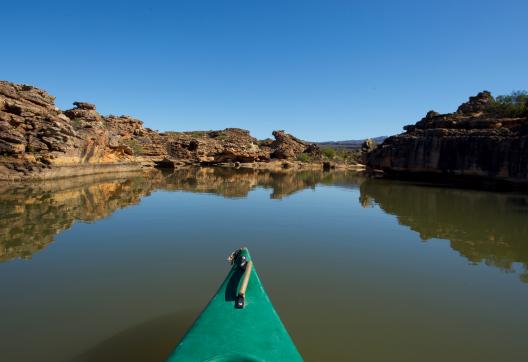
[
  {"x": 445, "y": 180},
  {"x": 76, "y": 170},
  {"x": 40, "y": 141}
]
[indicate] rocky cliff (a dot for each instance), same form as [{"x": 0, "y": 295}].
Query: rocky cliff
[
  {"x": 38, "y": 140},
  {"x": 476, "y": 141}
]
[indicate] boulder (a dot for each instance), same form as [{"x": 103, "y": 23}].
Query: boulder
[
  {"x": 286, "y": 146},
  {"x": 84, "y": 105},
  {"x": 476, "y": 103},
  {"x": 83, "y": 111},
  {"x": 366, "y": 147}
]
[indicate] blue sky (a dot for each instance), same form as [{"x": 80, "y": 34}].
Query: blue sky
[{"x": 322, "y": 70}]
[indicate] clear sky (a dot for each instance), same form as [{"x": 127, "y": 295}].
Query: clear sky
[{"x": 322, "y": 70}]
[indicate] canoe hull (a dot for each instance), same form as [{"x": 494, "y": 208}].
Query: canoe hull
[{"x": 225, "y": 333}]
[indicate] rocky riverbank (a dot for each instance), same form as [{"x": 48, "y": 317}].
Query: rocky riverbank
[
  {"x": 482, "y": 141},
  {"x": 40, "y": 141}
]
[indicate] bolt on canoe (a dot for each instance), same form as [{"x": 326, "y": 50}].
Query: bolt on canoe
[{"x": 238, "y": 324}]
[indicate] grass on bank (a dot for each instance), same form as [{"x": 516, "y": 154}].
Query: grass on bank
[
  {"x": 341, "y": 155},
  {"x": 334, "y": 154},
  {"x": 304, "y": 157}
]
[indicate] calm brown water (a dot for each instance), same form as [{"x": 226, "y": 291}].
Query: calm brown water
[{"x": 115, "y": 269}]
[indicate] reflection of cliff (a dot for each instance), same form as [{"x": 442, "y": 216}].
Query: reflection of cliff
[
  {"x": 238, "y": 183},
  {"x": 481, "y": 226},
  {"x": 32, "y": 214}
]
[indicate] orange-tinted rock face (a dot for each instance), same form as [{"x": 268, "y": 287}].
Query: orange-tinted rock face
[
  {"x": 37, "y": 140},
  {"x": 470, "y": 142},
  {"x": 286, "y": 146},
  {"x": 229, "y": 145}
]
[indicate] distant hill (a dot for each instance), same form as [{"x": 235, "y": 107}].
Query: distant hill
[{"x": 350, "y": 144}]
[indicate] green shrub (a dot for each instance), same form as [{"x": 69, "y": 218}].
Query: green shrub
[
  {"x": 329, "y": 152},
  {"x": 303, "y": 157},
  {"x": 512, "y": 105},
  {"x": 221, "y": 137}
]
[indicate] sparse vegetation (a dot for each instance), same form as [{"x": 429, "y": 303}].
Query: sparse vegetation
[
  {"x": 172, "y": 134},
  {"x": 195, "y": 134},
  {"x": 512, "y": 105},
  {"x": 221, "y": 137},
  {"x": 303, "y": 157},
  {"x": 134, "y": 145},
  {"x": 76, "y": 123},
  {"x": 337, "y": 155},
  {"x": 342, "y": 155},
  {"x": 198, "y": 133}
]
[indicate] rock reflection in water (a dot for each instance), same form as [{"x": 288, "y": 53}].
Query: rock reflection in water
[
  {"x": 482, "y": 226},
  {"x": 31, "y": 214},
  {"x": 233, "y": 183}
]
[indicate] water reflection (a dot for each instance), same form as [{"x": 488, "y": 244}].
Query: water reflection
[
  {"x": 32, "y": 214},
  {"x": 482, "y": 226},
  {"x": 127, "y": 288},
  {"x": 232, "y": 183}
]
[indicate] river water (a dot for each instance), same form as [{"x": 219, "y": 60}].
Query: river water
[{"x": 116, "y": 268}]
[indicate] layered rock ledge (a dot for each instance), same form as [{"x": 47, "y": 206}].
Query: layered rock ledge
[
  {"x": 474, "y": 143},
  {"x": 40, "y": 141}
]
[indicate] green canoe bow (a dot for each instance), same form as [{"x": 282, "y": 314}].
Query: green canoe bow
[{"x": 223, "y": 332}]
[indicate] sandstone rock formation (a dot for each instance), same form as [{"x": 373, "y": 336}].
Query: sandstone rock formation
[
  {"x": 286, "y": 146},
  {"x": 475, "y": 141},
  {"x": 229, "y": 145},
  {"x": 366, "y": 147},
  {"x": 38, "y": 140}
]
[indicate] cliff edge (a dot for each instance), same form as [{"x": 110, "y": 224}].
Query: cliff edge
[{"x": 486, "y": 138}]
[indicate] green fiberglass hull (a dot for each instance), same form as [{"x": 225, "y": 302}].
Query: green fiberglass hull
[{"x": 225, "y": 333}]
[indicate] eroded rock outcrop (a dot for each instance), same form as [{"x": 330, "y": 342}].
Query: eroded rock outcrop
[
  {"x": 211, "y": 147},
  {"x": 38, "y": 140},
  {"x": 475, "y": 141},
  {"x": 285, "y": 146}
]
